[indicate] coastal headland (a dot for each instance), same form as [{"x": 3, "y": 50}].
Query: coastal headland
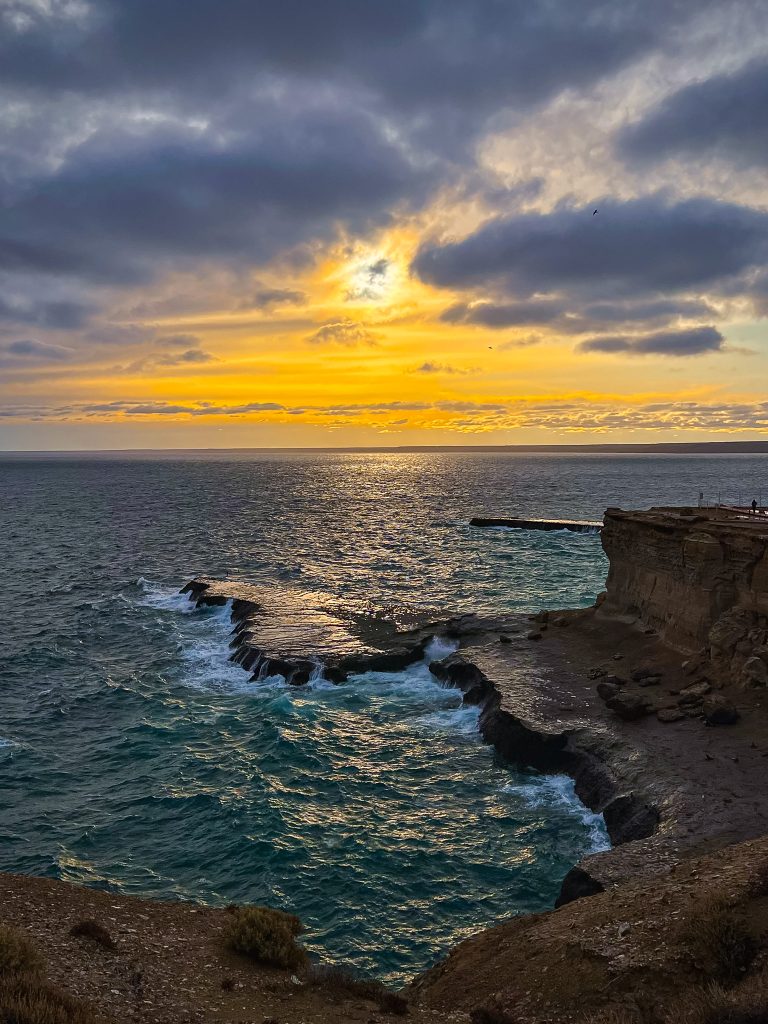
[{"x": 655, "y": 701}]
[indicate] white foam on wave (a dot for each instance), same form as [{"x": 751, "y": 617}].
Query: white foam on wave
[
  {"x": 548, "y": 791},
  {"x": 440, "y": 647},
  {"x": 164, "y": 599},
  {"x": 204, "y": 641},
  {"x": 461, "y": 720}
]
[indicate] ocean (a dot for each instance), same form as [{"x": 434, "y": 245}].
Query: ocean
[{"x": 135, "y": 758}]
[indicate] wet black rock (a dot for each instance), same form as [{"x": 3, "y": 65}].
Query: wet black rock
[{"x": 455, "y": 671}]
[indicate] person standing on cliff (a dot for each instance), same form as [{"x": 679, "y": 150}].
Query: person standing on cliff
[{"x": 754, "y": 507}]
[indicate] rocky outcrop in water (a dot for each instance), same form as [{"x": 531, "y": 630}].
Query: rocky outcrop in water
[{"x": 296, "y": 634}]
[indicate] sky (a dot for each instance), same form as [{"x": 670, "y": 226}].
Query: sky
[{"x": 235, "y": 223}]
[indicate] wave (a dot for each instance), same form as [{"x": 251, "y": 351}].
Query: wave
[{"x": 552, "y": 791}]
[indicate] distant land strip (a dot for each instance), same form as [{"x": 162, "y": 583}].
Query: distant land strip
[{"x": 658, "y": 448}]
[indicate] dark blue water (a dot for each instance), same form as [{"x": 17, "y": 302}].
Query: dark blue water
[{"x": 136, "y": 758}]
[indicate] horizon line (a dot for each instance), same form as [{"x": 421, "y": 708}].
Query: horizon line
[{"x": 755, "y": 447}]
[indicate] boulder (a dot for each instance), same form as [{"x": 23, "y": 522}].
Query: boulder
[
  {"x": 719, "y": 711},
  {"x": 615, "y": 680},
  {"x": 694, "y": 693},
  {"x": 455, "y": 671},
  {"x": 607, "y": 690},
  {"x": 669, "y": 714},
  {"x": 629, "y": 707},
  {"x": 754, "y": 672},
  {"x": 596, "y": 673},
  {"x": 533, "y": 635},
  {"x": 645, "y": 672}
]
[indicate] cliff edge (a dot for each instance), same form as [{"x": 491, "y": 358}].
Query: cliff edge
[{"x": 699, "y": 577}]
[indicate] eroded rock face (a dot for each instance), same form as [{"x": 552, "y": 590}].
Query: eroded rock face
[{"x": 699, "y": 577}]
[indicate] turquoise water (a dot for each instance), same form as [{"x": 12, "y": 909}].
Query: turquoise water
[{"x": 136, "y": 758}]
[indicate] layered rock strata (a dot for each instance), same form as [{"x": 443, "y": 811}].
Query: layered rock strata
[{"x": 699, "y": 577}]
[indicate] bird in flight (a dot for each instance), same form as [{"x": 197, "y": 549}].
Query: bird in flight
[{"x": 594, "y": 212}]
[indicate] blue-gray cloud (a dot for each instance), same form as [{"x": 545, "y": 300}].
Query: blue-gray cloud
[
  {"x": 122, "y": 207},
  {"x": 723, "y": 116},
  {"x": 408, "y": 53},
  {"x": 28, "y": 350},
  {"x": 510, "y": 314},
  {"x": 158, "y": 136},
  {"x": 693, "y": 342},
  {"x": 632, "y": 249}
]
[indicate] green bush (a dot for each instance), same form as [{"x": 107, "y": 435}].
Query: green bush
[
  {"x": 266, "y": 936},
  {"x": 17, "y": 954}
]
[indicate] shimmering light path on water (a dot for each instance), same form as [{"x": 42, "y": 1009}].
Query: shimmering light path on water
[{"x": 136, "y": 757}]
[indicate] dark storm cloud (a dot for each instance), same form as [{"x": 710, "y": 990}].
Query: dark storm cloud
[
  {"x": 409, "y": 53},
  {"x": 634, "y": 248},
  {"x": 226, "y": 135},
  {"x": 122, "y": 204},
  {"x": 693, "y": 342},
  {"x": 723, "y": 116}
]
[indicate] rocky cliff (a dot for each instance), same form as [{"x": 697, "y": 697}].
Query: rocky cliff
[{"x": 699, "y": 577}]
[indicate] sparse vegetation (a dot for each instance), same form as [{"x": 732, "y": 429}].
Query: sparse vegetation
[
  {"x": 29, "y": 1001},
  {"x": 613, "y": 1015},
  {"x": 717, "y": 935},
  {"x": 488, "y": 1015},
  {"x": 758, "y": 883},
  {"x": 24, "y": 997},
  {"x": 94, "y": 931},
  {"x": 746, "y": 1003},
  {"x": 17, "y": 954},
  {"x": 342, "y": 983},
  {"x": 265, "y": 935}
]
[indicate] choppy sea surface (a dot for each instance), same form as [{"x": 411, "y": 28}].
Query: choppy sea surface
[{"x": 134, "y": 757}]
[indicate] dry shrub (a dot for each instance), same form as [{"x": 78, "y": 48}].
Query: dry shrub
[
  {"x": 33, "y": 1002},
  {"x": 758, "y": 881},
  {"x": 488, "y": 1015},
  {"x": 613, "y": 1015},
  {"x": 746, "y": 1003},
  {"x": 391, "y": 1002},
  {"x": 266, "y": 936},
  {"x": 94, "y": 931},
  {"x": 341, "y": 983},
  {"x": 17, "y": 954},
  {"x": 717, "y": 936}
]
